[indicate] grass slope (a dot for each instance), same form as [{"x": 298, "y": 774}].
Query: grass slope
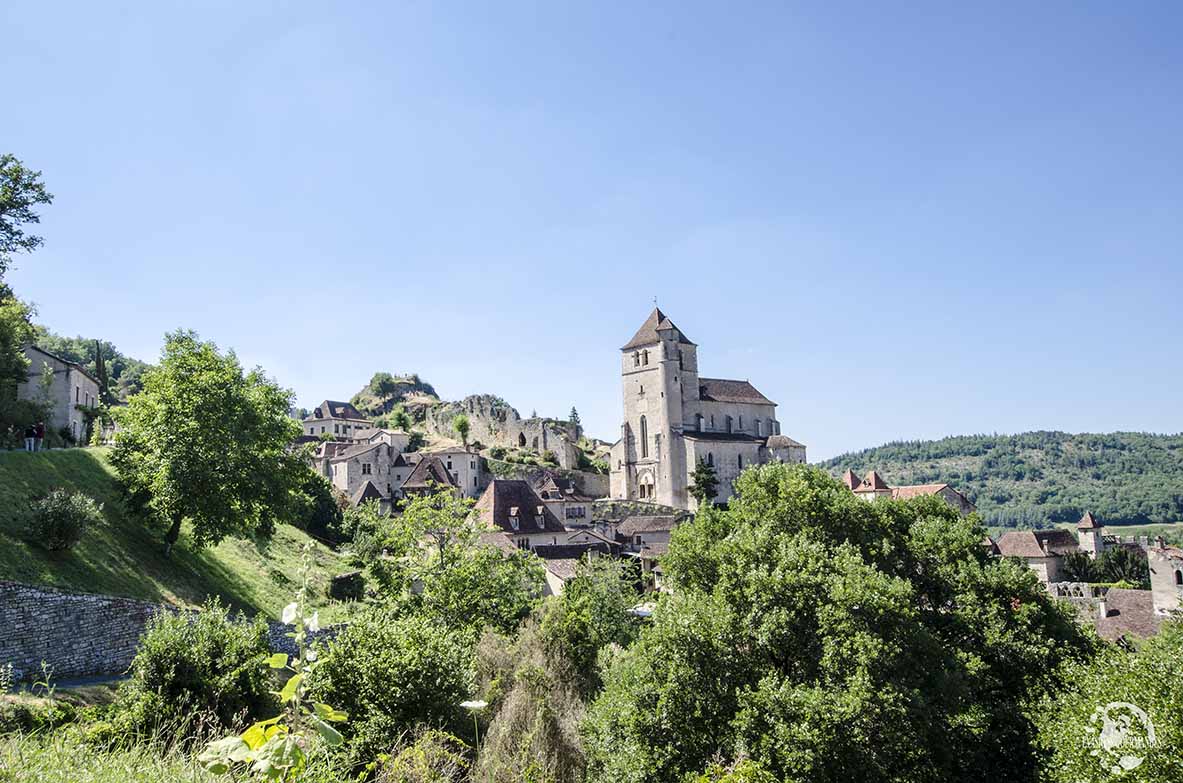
[
  {"x": 1040, "y": 478},
  {"x": 125, "y": 558}
]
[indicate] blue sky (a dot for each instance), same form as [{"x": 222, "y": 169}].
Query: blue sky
[{"x": 898, "y": 220}]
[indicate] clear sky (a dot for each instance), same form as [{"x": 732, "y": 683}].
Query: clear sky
[{"x": 899, "y": 220}]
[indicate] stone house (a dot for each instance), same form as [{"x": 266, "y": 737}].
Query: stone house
[
  {"x": 673, "y": 418},
  {"x": 1042, "y": 550},
  {"x": 72, "y": 388},
  {"x": 512, "y": 506},
  {"x": 636, "y": 533},
  {"x": 873, "y": 486},
  {"x": 467, "y": 468},
  {"x": 350, "y": 466},
  {"x": 566, "y": 501},
  {"x": 427, "y": 477},
  {"x": 339, "y": 419},
  {"x": 1166, "y": 577}
]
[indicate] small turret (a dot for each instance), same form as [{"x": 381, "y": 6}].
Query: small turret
[{"x": 1090, "y": 534}]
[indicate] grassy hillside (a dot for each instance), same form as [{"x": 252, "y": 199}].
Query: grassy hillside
[
  {"x": 1042, "y": 478},
  {"x": 124, "y": 558}
]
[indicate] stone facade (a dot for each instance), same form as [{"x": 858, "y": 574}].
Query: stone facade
[
  {"x": 71, "y": 388},
  {"x": 1166, "y": 577},
  {"x": 339, "y": 419},
  {"x": 673, "y": 418}
]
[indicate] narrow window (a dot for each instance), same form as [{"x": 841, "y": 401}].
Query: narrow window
[
  {"x": 712, "y": 421},
  {"x": 729, "y": 424},
  {"x": 710, "y": 459},
  {"x": 698, "y": 422},
  {"x": 759, "y": 427},
  {"x": 522, "y": 440},
  {"x": 644, "y": 437},
  {"x": 741, "y": 423},
  {"x": 75, "y": 395},
  {"x": 645, "y": 358},
  {"x": 636, "y": 359},
  {"x": 740, "y": 459},
  {"x": 365, "y": 469},
  {"x": 1179, "y": 577}
]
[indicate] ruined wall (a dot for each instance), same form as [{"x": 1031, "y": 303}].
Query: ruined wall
[{"x": 494, "y": 422}]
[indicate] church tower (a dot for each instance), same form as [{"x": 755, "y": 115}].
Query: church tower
[{"x": 649, "y": 462}]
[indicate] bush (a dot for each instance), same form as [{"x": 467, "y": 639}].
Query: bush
[
  {"x": 204, "y": 667},
  {"x": 348, "y": 587},
  {"x": 27, "y": 714},
  {"x": 433, "y": 757},
  {"x": 61, "y": 517},
  {"x": 390, "y": 674}
]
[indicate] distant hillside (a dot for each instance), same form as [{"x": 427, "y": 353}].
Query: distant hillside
[
  {"x": 125, "y": 372},
  {"x": 1042, "y": 478}
]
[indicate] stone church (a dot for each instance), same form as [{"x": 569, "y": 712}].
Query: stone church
[{"x": 673, "y": 418}]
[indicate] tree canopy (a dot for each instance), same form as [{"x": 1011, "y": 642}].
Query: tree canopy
[
  {"x": 21, "y": 192},
  {"x": 830, "y": 639},
  {"x": 206, "y": 442}
]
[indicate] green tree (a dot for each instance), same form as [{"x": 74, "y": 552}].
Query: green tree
[
  {"x": 574, "y": 417},
  {"x": 382, "y": 384},
  {"x": 705, "y": 484},
  {"x": 1079, "y": 567},
  {"x": 206, "y": 442},
  {"x": 831, "y": 639},
  {"x": 1102, "y": 690},
  {"x": 21, "y": 191},
  {"x": 16, "y": 330},
  {"x": 1124, "y": 564},
  {"x": 462, "y": 425}
]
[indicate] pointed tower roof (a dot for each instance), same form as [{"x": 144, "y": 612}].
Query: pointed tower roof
[
  {"x": 874, "y": 482},
  {"x": 1088, "y": 522},
  {"x": 851, "y": 481},
  {"x": 648, "y": 334}
]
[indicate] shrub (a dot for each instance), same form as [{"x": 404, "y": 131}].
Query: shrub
[
  {"x": 61, "y": 517},
  {"x": 29, "y": 714},
  {"x": 206, "y": 667},
  {"x": 433, "y": 757},
  {"x": 348, "y": 587},
  {"x": 390, "y": 674}
]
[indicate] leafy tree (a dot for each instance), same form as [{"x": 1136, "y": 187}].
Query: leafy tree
[
  {"x": 574, "y": 417},
  {"x": 319, "y": 513},
  {"x": 392, "y": 672},
  {"x": 705, "y": 484},
  {"x": 1102, "y": 688},
  {"x": 382, "y": 384},
  {"x": 16, "y": 330},
  {"x": 206, "y": 442},
  {"x": 21, "y": 191},
  {"x": 591, "y": 613},
  {"x": 830, "y": 639},
  {"x": 1124, "y": 564},
  {"x": 125, "y": 373},
  {"x": 1079, "y": 567},
  {"x": 462, "y": 425}
]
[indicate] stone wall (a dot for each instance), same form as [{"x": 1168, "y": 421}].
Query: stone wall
[
  {"x": 87, "y": 635},
  {"x": 78, "y": 634},
  {"x": 494, "y": 422}
]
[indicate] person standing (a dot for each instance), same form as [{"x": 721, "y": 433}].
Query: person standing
[
  {"x": 30, "y": 437},
  {"x": 39, "y": 431}
]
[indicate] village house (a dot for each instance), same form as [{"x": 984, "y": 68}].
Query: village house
[
  {"x": 514, "y": 508},
  {"x": 873, "y": 486},
  {"x": 339, "y": 419},
  {"x": 1044, "y": 550},
  {"x": 64, "y": 387},
  {"x": 563, "y": 498},
  {"x": 673, "y": 419}
]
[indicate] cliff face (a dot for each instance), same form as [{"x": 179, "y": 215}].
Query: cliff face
[{"x": 494, "y": 422}]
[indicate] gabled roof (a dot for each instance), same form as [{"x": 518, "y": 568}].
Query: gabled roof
[
  {"x": 872, "y": 482},
  {"x": 504, "y": 498},
  {"x": 1030, "y": 543},
  {"x": 724, "y": 390},
  {"x": 648, "y": 333},
  {"x": 851, "y": 481},
  {"x": 355, "y": 450},
  {"x": 659, "y": 524},
  {"x": 334, "y": 409},
  {"x": 496, "y": 538},
  {"x": 1088, "y": 522},
  {"x": 429, "y": 471},
  {"x": 916, "y": 490},
  {"x": 367, "y": 492},
  {"x": 563, "y": 568},
  {"x": 564, "y": 551},
  {"x": 596, "y": 537},
  {"x": 564, "y": 486}
]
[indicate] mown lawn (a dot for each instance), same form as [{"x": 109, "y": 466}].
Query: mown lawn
[{"x": 124, "y": 557}]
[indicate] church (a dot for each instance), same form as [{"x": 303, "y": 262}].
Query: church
[{"x": 673, "y": 418}]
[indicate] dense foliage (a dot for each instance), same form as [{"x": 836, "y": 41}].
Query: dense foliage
[
  {"x": 827, "y": 638},
  {"x": 195, "y": 673},
  {"x": 206, "y": 442},
  {"x": 1103, "y": 689},
  {"x": 1041, "y": 478},
  {"x": 60, "y": 518},
  {"x": 21, "y": 192}
]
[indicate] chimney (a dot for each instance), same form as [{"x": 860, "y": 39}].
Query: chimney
[
  {"x": 1102, "y": 609},
  {"x": 1160, "y": 542}
]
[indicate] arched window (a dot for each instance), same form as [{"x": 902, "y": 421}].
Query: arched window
[
  {"x": 522, "y": 440},
  {"x": 729, "y": 424},
  {"x": 644, "y": 438},
  {"x": 698, "y": 422},
  {"x": 710, "y": 459},
  {"x": 1179, "y": 577},
  {"x": 645, "y": 358}
]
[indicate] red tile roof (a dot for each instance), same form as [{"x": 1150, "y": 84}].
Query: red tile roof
[
  {"x": 1128, "y": 613},
  {"x": 503, "y": 496},
  {"x": 1088, "y": 522},
  {"x": 1029, "y": 543}
]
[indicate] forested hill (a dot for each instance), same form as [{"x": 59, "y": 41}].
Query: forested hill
[
  {"x": 125, "y": 372},
  {"x": 1041, "y": 478}
]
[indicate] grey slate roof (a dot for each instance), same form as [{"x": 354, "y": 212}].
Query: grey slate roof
[
  {"x": 335, "y": 409},
  {"x": 648, "y": 333},
  {"x": 499, "y": 500},
  {"x": 634, "y": 525},
  {"x": 723, "y": 390}
]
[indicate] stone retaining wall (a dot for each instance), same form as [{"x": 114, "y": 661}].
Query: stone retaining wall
[{"x": 78, "y": 634}]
